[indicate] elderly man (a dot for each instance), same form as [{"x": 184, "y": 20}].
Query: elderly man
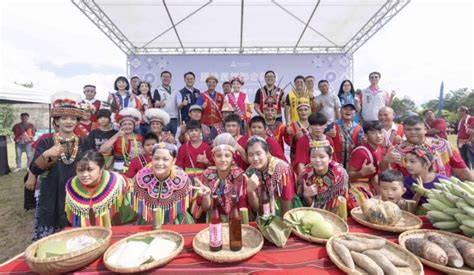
[
  {"x": 393, "y": 132},
  {"x": 435, "y": 127},
  {"x": 447, "y": 160}
]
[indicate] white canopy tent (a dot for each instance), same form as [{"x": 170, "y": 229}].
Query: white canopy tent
[{"x": 13, "y": 93}]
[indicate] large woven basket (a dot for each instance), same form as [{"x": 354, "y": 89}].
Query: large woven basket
[
  {"x": 415, "y": 265},
  {"x": 339, "y": 225},
  {"x": 174, "y": 236},
  {"x": 252, "y": 242},
  {"x": 408, "y": 221},
  {"x": 69, "y": 261},
  {"x": 420, "y": 233}
]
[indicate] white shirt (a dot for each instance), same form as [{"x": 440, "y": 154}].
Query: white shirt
[{"x": 171, "y": 106}]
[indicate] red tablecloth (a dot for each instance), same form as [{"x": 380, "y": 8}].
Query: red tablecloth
[{"x": 296, "y": 257}]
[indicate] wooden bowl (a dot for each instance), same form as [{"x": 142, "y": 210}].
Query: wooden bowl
[
  {"x": 408, "y": 221},
  {"x": 415, "y": 265},
  {"x": 339, "y": 225},
  {"x": 73, "y": 260},
  {"x": 252, "y": 242},
  {"x": 420, "y": 233},
  {"x": 174, "y": 236}
]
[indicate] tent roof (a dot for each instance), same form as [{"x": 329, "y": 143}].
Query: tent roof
[
  {"x": 238, "y": 26},
  {"x": 12, "y": 93}
]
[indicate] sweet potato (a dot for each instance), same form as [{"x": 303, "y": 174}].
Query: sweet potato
[
  {"x": 454, "y": 257},
  {"x": 363, "y": 244},
  {"x": 428, "y": 250},
  {"x": 366, "y": 263},
  {"x": 397, "y": 261},
  {"x": 382, "y": 261},
  {"x": 467, "y": 251},
  {"x": 343, "y": 253}
]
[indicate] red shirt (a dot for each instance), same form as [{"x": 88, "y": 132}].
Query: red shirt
[
  {"x": 24, "y": 133},
  {"x": 303, "y": 148},
  {"x": 360, "y": 155},
  {"x": 440, "y": 125},
  {"x": 187, "y": 155},
  {"x": 136, "y": 165},
  {"x": 237, "y": 159},
  {"x": 83, "y": 130},
  {"x": 275, "y": 149},
  {"x": 464, "y": 125}
]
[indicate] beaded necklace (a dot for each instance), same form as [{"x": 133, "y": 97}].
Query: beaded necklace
[{"x": 58, "y": 140}]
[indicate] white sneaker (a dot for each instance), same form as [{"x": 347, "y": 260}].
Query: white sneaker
[{"x": 17, "y": 170}]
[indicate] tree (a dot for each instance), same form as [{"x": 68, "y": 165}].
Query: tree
[
  {"x": 403, "y": 107},
  {"x": 452, "y": 100},
  {"x": 7, "y": 117}
]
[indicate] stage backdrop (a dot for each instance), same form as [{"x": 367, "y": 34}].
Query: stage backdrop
[{"x": 332, "y": 67}]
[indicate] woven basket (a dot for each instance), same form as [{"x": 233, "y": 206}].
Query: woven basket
[
  {"x": 175, "y": 236},
  {"x": 69, "y": 261},
  {"x": 252, "y": 242},
  {"x": 339, "y": 225},
  {"x": 415, "y": 265},
  {"x": 420, "y": 233},
  {"x": 408, "y": 221}
]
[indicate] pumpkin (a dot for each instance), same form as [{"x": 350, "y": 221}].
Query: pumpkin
[{"x": 381, "y": 212}]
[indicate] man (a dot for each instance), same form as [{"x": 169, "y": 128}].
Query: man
[
  {"x": 327, "y": 103},
  {"x": 269, "y": 91},
  {"x": 258, "y": 128},
  {"x": 24, "y": 136},
  {"x": 348, "y": 135},
  {"x": 275, "y": 129},
  {"x": 447, "y": 160},
  {"x": 309, "y": 83},
  {"x": 134, "y": 84},
  {"x": 166, "y": 98},
  {"x": 208, "y": 133},
  {"x": 373, "y": 98},
  {"x": 187, "y": 96},
  {"x": 393, "y": 132},
  {"x": 293, "y": 97},
  {"x": 90, "y": 93},
  {"x": 435, "y": 127},
  {"x": 226, "y": 110},
  {"x": 298, "y": 129},
  {"x": 226, "y": 87},
  {"x": 211, "y": 102},
  {"x": 466, "y": 136}
]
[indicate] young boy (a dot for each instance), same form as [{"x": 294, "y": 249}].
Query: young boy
[
  {"x": 194, "y": 156},
  {"x": 258, "y": 128},
  {"x": 102, "y": 132},
  {"x": 275, "y": 128},
  {"x": 140, "y": 161},
  {"x": 391, "y": 188},
  {"x": 232, "y": 126}
]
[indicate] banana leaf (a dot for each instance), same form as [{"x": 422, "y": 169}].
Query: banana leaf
[{"x": 274, "y": 229}]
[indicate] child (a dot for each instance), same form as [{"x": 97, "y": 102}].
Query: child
[
  {"x": 142, "y": 160},
  {"x": 391, "y": 188},
  {"x": 258, "y": 128},
  {"x": 232, "y": 126}
]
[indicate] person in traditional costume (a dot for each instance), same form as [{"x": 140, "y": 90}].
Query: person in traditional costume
[
  {"x": 122, "y": 98},
  {"x": 364, "y": 165},
  {"x": 447, "y": 160},
  {"x": 270, "y": 171},
  {"x": 143, "y": 159},
  {"x": 84, "y": 127},
  {"x": 348, "y": 135},
  {"x": 96, "y": 105},
  {"x": 97, "y": 197},
  {"x": 225, "y": 179},
  {"x": 275, "y": 128},
  {"x": 163, "y": 186},
  {"x": 144, "y": 96},
  {"x": 258, "y": 128},
  {"x": 103, "y": 131},
  {"x": 208, "y": 133},
  {"x": 211, "y": 102},
  {"x": 232, "y": 126},
  {"x": 298, "y": 129},
  {"x": 269, "y": 92},
  {"x": 239, "y": 101},
  {"x": 158, "y": 119},
  {"x": 125, "y": 145},
  {"x": 292, "y": 99},
  {"x": 393, "y": 132},
  {"x": 323, "y": 180},
  {"x": 54, "y": 158},
  {"x": 226, "y": 110}
]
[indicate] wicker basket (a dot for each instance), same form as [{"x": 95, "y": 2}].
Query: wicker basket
[
  {"x": 339, "y": 225},
  {"x": 415, "y": 265},
  {"x": 420, "y": 233},
  {"x": 408, "y": 221},
  {"x": 252, "y": 242},
  {"x": 175, "y": 236},
  {"x": 69, "y": 261}
]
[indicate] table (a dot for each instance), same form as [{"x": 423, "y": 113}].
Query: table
[{"x": 298, "y": 256}]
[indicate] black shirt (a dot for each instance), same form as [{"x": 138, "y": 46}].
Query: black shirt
[{"x": 98, "y": 137}]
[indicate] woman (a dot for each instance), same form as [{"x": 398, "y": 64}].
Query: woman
[
  {"x": 274, "y": 173},
  {"x": 157, "y": 119},
  {"x": 125, "y": 144},
  {"x": 224, "y": 180},
  {"x": 323, "y": 180},
  {"x": 239, "y": 101},
  {"x": 163, "y": 186},
  {"x": 146, "y": 102},
  {"x": 54, "y": 158},
  {"x": 347, "y": 95},
  {"x": 97, "y": 196},
  {"x": 122, "y": 98}
]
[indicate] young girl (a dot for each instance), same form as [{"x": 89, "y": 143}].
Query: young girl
[
  {"x": 224, "y": 179},
  {"x": 163, "y": 186},
  {"x": 96, "y": 196},
  {"x": 239, "y": 101},
  {"x": 323, "y": 180},
  {"x": 268, "y": 174},
  {"x": 419, "y": 164}
]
